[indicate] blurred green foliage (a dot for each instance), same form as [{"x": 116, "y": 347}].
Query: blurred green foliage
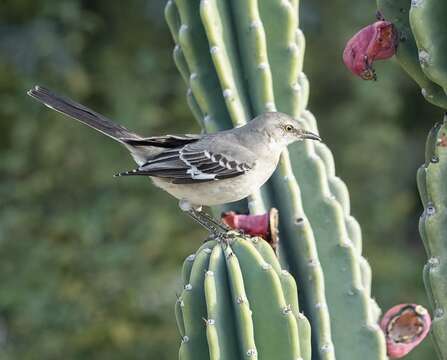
[{"x": 89, "y": 264}]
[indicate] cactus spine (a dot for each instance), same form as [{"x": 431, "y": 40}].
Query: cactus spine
[
  {"x": 250, "y": 55},
  {"x": 233, "y": 295},
  {"x": 432, "y": 226},
  {"x": 397, "y": 11}
]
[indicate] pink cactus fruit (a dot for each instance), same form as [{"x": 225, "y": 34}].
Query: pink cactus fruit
[
  {"x": 377, "y": 41},
  {"x": 405, "y": 326},
  {"x": 265, "y": 225}
]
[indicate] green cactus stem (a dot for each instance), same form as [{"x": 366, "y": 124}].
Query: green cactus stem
[
  {"x": 397, "y": 11},
  {"x": 427, "y": 19},
  {"x": 344, "y": 288},
  {"x": 431, "y": 179},
  {"x": 235, "y": 294},
  {"x": 255, "y": 50}
]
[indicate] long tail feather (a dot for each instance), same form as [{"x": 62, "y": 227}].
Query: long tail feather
[{"x": 82, "y": 114}]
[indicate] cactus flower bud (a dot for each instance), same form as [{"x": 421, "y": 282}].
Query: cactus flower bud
[
  {"x": 405, "y": 326},
  {"x": 265, "y": 225},
  {"x": 377, "y": 41}
]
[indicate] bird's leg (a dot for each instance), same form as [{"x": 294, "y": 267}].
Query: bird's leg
[
  {"x": 217, "y": 229},
  {"x": 218, "y": 223},
  {"x": 218, "y": 232}
]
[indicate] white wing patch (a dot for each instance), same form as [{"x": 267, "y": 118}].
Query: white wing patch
[
  {"x": 185, "y": 165},
  {"x": 204, "y": 165}
]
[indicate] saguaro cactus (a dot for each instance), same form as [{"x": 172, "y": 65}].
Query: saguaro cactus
[
  {"x": 233, "y": 296},
  {"x": 433, "y": 228},
  {"x": 242, "y": 58}
]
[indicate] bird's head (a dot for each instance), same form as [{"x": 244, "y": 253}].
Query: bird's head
[{"x": 282, "y": 128}]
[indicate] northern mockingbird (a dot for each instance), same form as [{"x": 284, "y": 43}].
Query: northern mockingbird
[{"x": 206, "y": 169}]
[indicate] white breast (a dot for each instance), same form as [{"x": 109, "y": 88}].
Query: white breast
[{"x": 220, "y": 191}]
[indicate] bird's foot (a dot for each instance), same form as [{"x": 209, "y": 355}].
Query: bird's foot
[{"x": 217, "y": 230}]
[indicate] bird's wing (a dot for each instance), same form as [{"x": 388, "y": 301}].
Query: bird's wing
[
  {"x": 198, "y": 162},
  {"x": 166, "y": 141}
]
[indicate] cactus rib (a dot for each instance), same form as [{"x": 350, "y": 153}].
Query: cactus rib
[
  {"x": 260, "y": 278},
  {"x": 290, "y": 293},
  {"x": 253, "y": 49},
  {"x": 215, "y": 17},
  {"x": 203, "y": 80},
  {"x": 194, "y": 342},
  {"x": 220, "y": 322},
  {"x": 431, "y": 183},
  {"x": 241, "y": 306}
]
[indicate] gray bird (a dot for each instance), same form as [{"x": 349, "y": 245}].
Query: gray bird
[{"x": 206, "y": 169}]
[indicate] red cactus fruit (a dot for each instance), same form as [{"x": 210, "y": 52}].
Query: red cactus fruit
[
  {"x": 405, "y": 326},
  {"x": 377, "y": 41},
  {"x": 265, "y": 225}
]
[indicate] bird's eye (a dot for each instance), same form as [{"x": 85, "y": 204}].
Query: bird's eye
[{"x": 288, "y": 128}]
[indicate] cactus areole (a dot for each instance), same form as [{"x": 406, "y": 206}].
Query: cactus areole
[{"x": 377, "y": 41}]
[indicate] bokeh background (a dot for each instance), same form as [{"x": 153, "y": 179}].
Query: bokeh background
[{"x": 89, "y": 264}]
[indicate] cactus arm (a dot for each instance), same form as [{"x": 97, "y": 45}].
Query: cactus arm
[
  {"x": 194, "y": 343},
  {"x": 433, "y": 224},
  {"x": 397, "y": 11},
  {"x": 215, "y": 18},
  {"x": 427, "y": 20},
  {"x": 260, "y": 278},
  {"x": 220, "y": 323}
]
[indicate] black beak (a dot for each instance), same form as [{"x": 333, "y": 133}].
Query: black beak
[{"x": 309, "y": 135}]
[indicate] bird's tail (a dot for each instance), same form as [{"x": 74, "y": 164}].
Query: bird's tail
[{"x": 82, "y": 114}]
